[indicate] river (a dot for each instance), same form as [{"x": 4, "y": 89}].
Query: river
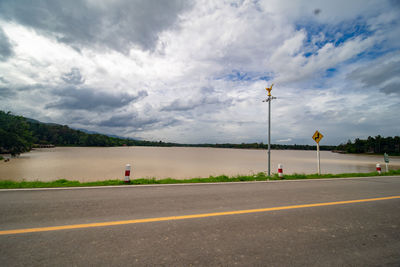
[{"x": 103, "y": 163}]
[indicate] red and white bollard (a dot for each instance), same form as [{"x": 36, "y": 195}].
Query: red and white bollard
[
  {"x": 127, "y": 173},
  {"x": 378, "y": 168},
  {"x": 280, "y": 170}
]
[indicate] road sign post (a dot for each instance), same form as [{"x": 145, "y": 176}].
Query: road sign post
[
  {"x": 386, "y": 158},
  {"x": 319, "y": 160},
  {"x": 317, "y": 137}
]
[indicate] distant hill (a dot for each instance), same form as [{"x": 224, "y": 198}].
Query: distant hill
[
  {"x": 33, "y": 121},
  {"x": 110, "y": 135},
  {"x": 19, "y": 134},
  {"x": 31, "y": 131},
  {"x": 62, "y": 135}
]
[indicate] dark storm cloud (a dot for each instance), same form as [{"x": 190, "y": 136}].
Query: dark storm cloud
[
  {"x": 395, "y": 3},
  {"x": 180, "y": 105},
  {"x": 391, "y": 88},
  {"x": 3, "y": 80},
  {"x": 133, "y": 120},
  {"x": 6, "y": 50},
  {"x": 73, "y": 77},
  {"x": 127, "y": 120},
  {"x": 115, "y": 24},
  {"x": 207, "y": 97},
  {"x": 379, "y": 76},
  {"x": 89, "y": 99},
  {"x": 6, "y": 92},
  {"x": 12, "y": 91},
  {"x": 185, "y": 105}
]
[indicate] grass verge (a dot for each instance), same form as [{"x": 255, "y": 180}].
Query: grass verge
[{"x": 217, "y": 179}]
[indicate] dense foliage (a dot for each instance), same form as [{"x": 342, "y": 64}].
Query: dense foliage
[
  {"x": 15, "y": 136},
  {"x": 377, "y": 144}
]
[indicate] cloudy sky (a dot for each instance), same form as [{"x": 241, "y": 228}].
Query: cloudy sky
[{"x": 196, "y": 71}]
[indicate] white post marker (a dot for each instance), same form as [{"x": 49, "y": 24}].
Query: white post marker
[
  {"x": 317, "y": 137},
  {"x": 378, "y": 168},
  {"x": 127, "y": 173},
  {"x": 280, "y": 170}
]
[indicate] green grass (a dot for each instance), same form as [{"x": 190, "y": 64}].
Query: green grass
[{"x": 212, "y": 179}]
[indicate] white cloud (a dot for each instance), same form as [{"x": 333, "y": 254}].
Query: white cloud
[{"x": 204, "y": 70}]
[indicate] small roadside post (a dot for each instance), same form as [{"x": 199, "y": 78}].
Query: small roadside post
[
  {"x": 386, "y": 158},
  {"x": 317, "y": 137},
  {"x": 280, "y": 171},
  {"x": 378, "y": 168},
  {"x": 127, "y": 173}
]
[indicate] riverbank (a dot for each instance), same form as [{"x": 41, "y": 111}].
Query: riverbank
[{"x": 218, "y": 179}]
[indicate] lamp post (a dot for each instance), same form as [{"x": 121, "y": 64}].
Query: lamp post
[{"x": 269, "y": 99}]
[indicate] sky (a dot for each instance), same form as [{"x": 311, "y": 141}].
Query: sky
[{"x": 196, "y": 71}]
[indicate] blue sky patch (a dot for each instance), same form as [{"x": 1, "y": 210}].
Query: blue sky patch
[
  {"x": 318, "y": 35},
  {"x": 330, "y": 72},
  {"x": 238, "y": 76}
]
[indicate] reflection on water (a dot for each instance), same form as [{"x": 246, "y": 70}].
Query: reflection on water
[{"x": 100, "y": 163}]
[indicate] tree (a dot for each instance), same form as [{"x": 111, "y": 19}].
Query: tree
[{"x": 15, "y": 136}]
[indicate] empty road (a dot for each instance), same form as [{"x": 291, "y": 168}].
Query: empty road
[{"x": 332, "y": 222}]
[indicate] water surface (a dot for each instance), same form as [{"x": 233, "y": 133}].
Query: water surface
[{"x": 102, "y": 163}]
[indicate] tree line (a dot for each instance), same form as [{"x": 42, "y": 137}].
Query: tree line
[
  {"x": 265, "y": 146},
  {"x": 377, "y": 144}
]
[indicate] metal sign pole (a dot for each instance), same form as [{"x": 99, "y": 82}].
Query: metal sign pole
[
  {"x": 317, "y": 137},
  {"x": 386, "y": 158},
  {"x": 319, "y": 164}
]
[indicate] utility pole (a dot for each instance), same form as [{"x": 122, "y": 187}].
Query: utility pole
[{"x": 269, "y": 99}]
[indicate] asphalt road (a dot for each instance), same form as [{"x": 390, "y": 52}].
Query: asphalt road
[{"x": 343, "y": 234}]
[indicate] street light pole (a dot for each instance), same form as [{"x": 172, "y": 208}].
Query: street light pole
[
  {"x": 269, "y": 100},
  {"x": 269, "y": 135}
]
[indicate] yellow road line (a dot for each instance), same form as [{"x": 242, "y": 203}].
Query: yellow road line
[{"x": 173, "y": 218}]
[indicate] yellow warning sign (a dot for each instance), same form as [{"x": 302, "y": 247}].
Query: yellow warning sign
[{"x": 317, "y": 137}]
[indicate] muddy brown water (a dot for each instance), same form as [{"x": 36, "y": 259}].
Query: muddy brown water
[{"x": 103, "y": 163}]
